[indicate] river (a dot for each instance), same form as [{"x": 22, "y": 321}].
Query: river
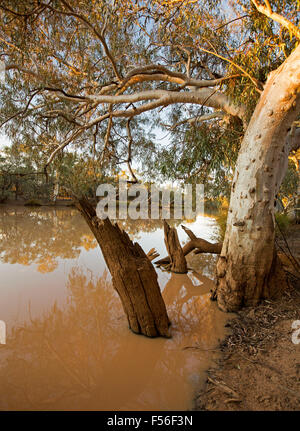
[{"x": 68, "y": 346}]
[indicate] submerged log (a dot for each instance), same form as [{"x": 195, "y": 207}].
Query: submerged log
[
  {"x": 133, "y": 275},
  {"x": 198, "y": 244},
  {"x": 177, "y": 259}
]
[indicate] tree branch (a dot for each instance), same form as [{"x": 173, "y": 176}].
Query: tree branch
[
  {"x": 258, "y": 85},
  {"x": 198, "y": 119},
  {"x": 201, "y": 246},
  {"x": 107, "y": 135},
  {"x": 23, "y": 110},
  {"x": 63, "y": 145},
  {"x": 152, "y": 72},
  {"x": 128, "y": 161},
  {"x": 231, "y": 21},
  {"x": 267, "y": 10},
  {"x": 86, "y": 22},
  {"x": 207, "y": 96},
  {"x": 20, "y": 69}
]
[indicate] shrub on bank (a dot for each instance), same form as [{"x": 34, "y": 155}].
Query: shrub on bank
[{"x": 33, "y": 203}]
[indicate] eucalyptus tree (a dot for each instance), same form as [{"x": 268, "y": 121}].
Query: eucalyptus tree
[{"x": 91, "y": 72}]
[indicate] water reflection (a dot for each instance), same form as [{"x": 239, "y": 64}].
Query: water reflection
[
  {"x": 82, "y": 356},
  {"x": 71, "y": 348},
  {"x": 41, "y": 236}
]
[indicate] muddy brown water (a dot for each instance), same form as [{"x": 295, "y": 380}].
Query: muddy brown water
[{"x": 67, "y": 341}]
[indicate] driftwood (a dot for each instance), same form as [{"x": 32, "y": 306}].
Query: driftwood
[
  {"x": 198, "y": 244},
  {"x": 177, "y": 259},
  {"x": 133, "y": 275},
  {"x": 152, "y": 254}
]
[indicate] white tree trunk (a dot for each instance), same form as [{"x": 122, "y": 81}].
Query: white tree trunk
[
  {"x": 247, "y": 269},
  {"x": 56, "y": 186}
]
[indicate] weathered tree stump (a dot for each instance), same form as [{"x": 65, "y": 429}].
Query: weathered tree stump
[
  {"x": 198, "y": 244},
  {"x": 133, "y": 275},
  {"x": 177, "y": 259}
]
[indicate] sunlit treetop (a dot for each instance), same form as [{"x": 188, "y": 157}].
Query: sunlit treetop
[{"x": 99, "y": 74}]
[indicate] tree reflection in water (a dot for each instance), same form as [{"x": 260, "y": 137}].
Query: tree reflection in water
[
  {"x": 41, "y": 236},
  {"x": 82, "y": 356}
]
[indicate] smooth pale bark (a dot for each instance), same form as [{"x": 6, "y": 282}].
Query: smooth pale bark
[
  {"x": 248, "y": 269},
  {"x": 56, "y": 187}
]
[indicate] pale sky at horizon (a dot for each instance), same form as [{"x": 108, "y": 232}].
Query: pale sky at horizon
[{"x": 3, "y": 141}]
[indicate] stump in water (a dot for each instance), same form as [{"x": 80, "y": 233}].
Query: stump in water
[
  {"x": 198, "y": 244},
  {"x": 177, "y": 259},
  {"x": 133, "y": 275}
]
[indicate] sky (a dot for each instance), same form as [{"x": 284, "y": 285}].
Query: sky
[{"x": 3, "y": 141}]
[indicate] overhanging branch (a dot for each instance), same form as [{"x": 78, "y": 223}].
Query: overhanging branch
[{"x": 267, "y": 10}]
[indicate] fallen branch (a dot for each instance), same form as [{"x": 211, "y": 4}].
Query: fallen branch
[
  {"x": 225, "y": 388},
  {"x": 198, "y": 244}
]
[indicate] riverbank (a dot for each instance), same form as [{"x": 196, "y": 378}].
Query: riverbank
[
  {"x": 259, "y": 368},
  {"x": 259, "y": 365},
  {"x": 37, "y": 203}
]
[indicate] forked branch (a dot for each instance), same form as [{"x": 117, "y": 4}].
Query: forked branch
[{"x": 266, "y": 9}]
